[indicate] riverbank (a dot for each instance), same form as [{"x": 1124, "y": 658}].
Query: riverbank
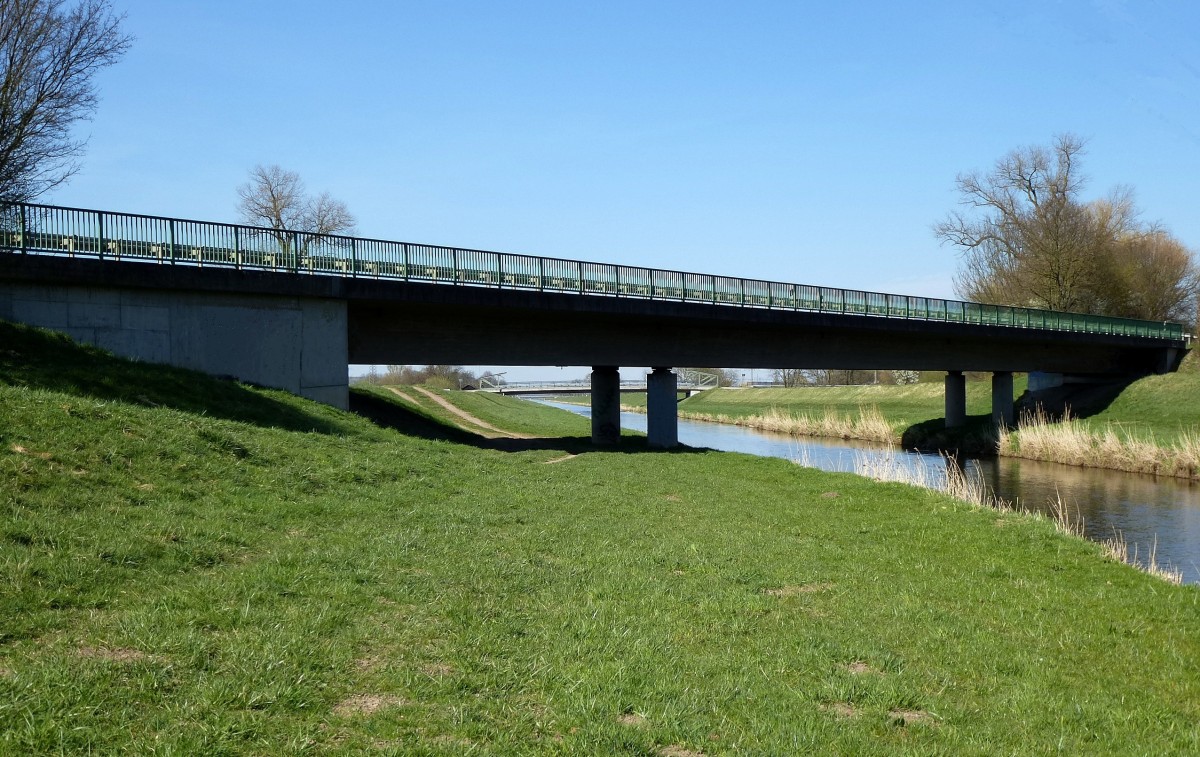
[
  {"x": 1153, "y": 426},
  {"x": 196, "y": 566}
]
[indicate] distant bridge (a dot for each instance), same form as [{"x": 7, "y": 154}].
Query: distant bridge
[
  {"x": 687, "y": 381},
  {"x": 291, "y": 309}
]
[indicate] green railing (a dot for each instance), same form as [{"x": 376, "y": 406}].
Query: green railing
[{"x": 73, "y": 232}]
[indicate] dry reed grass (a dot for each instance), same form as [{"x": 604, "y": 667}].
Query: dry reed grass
[
  {"x": 870, "y": 425},
  {"x": 953, "y": 479},
  {"x": 1071, "y": 442}
]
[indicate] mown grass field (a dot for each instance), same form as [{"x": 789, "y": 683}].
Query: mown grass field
[{"x": 191, "y": 566}]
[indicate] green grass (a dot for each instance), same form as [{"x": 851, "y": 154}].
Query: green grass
[
  {"x": 519, "y": 415},
  {"x": 244, "y": 572},
  {"x": 903, "y": 406},
  {"x": 1163, "y": 407}
]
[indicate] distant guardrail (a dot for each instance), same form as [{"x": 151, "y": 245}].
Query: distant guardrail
[
  {"x": 75, "y": 232},
  {"x": 685, "y": 379}
]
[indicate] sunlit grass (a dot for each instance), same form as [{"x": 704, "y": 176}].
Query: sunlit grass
[{"x": 263, "y": 575}]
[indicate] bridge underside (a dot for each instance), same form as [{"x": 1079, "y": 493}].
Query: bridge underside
[{"x": 517, "y": 328}]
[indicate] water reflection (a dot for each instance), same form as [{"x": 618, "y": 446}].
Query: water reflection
[{"x": 1161, "y": 514}]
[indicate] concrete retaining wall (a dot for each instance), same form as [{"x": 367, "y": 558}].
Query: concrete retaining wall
[{"x": 292, "y": 343}]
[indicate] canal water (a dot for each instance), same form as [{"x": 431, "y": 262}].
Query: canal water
[{"x": 1159, "y": 515}]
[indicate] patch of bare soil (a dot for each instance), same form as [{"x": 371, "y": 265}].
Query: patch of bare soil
[
  {"x": 675, "y": 750},
  {"x": 858, "y": 668},
  {"x": 366, "y": 704},
  {"x": 558, "y": 459},
  {"x": 24, "y": 451},
  {"x": 117, "y": 654},
  {"x": 903, "y": 716},
  {"x": 437, "y": 669},
  {"x": 841, "y": 709},
  {"x": 632, "y": 720},
  {"x": 795, "y": 591},
  {"x": 830, "y": 495}
]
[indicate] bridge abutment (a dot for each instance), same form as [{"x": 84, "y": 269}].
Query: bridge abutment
[
  {"x": 662, "y": 408},
  {"x": 606, "y": 405},
  {"x": 298, "y": 344},
  {"x": 956, "y": 399},
  {"x": 1002, "y": 399}
]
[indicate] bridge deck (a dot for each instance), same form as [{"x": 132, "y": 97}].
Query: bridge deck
[{"x": 71, "y": 232}]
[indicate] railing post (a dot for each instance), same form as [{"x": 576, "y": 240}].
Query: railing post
[
  {"x": 171, "y": 239},
  {"x": 237, "y": 248},
  {"x": 99, "y": 234},
  {"x": 353, "y": 258},
  {"x": 404, "y": 253},
  {"x": 24, "y": 229},
  {"x": 541, "y": 274},
  {"x": 295, "y": 256},
  {"x": 579, "y": 266}
]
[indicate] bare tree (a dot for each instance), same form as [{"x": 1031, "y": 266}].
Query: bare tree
[
  {"x": 1030, "y": 240},
  {"x": 1157, "y": 277},
  {"x": 276, "y": 198},
  {"x": 48, "y": 56}
]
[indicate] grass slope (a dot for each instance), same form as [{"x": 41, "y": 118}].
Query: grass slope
[
  {"x": 1160, "y": 407},
  {"x": 190, "y": 566},
  {"x": 903, "y": 406}
]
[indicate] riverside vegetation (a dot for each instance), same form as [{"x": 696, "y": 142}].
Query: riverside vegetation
[
  {"x": 1153, "y": 426},
  {"x": 195, "y": 566}
]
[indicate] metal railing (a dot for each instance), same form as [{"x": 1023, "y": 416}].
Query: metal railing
[
  {"x": 74, "y": 232},
  {"x": 685, "y": 379}
]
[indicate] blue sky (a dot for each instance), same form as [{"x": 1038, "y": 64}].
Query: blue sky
[{"x": 796, "y": 141}]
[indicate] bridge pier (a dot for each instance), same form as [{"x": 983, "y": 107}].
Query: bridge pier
[
  {"x": 956, "y": 399},
  {"x": 1002, "y": 399},
  {"x": 662, "y": 408},
  {"x": 606, "y": 405}
]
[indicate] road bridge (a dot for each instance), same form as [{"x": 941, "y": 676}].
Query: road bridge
[{"x": 291, "y": 309}]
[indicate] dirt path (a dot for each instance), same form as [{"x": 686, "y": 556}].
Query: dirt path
[{"x": 465, "y": 415}]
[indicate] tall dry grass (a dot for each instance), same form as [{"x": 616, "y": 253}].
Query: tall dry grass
[
  {"x": 1071, "y": 442},
  {"x": 953, "y": 479},
  {"x": 869, "y": 425}
]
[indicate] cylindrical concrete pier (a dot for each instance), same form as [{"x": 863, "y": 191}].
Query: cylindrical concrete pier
[
  {"x": 662, "y": 413},
  {"x": 956, "y": 399},
  {"x": 606, "y": 405}
]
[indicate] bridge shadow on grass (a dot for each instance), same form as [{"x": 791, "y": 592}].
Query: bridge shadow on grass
[
  {"x": 47, "y": 360},
  {"x": 388, "y": 413}
]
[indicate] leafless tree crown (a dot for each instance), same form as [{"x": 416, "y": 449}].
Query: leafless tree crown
[
  {"x": 49, "y": 55},
  {"x": 1027, "y": 239},
  {"x": 276, "y": 198}
]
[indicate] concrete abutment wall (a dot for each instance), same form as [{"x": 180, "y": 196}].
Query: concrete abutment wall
[{"x": 294, "y": 343}]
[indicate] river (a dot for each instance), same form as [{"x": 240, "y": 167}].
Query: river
[{"x": 1153, "y": 514}]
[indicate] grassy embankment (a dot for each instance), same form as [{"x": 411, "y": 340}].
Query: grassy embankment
[
  {"x": 196, "y": 567},
  {"x": 1153, "y": 426},
  {"x": 910, "y": 414}
]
